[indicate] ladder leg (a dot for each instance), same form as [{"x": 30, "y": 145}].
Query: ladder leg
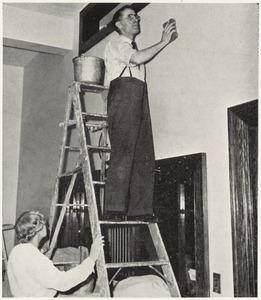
[
  {"x": 103, "y": 281},
  {"x": 68, "y": 110},
  {"x": 162, "y": 255},
  {"x": 84, "y": 165}
]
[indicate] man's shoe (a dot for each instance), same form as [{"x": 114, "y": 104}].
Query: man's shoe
[{"x": 143, "y": 218}]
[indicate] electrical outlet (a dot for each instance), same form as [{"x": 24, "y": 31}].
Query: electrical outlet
[{"x": 217, "y": 283}]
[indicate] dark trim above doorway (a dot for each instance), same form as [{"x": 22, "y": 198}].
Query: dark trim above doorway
[{"x": 90, "y": 17}]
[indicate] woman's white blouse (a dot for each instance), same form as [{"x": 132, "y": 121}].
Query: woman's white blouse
[{"x": 32, "y": 274}]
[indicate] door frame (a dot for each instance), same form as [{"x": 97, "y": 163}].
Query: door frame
[
  {"x": 243, "y": 202},
  {"x": 201, "y": 227},
  {"x": 198, "y": 168}
]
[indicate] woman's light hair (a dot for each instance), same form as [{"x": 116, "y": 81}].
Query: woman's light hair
[{"x": 28, "y": 224}]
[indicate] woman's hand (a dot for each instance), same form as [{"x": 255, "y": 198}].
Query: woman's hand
[{"x": 97, "y": 244}]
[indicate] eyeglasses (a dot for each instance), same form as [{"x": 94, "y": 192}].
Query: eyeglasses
[{"x": 132, "y": 17}]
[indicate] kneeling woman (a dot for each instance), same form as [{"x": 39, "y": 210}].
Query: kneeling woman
[{"x": 31, "y": 273}]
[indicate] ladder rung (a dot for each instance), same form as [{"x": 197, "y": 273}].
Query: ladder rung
[
  {"x": 96, "y": 116},
  {"x": 70, "y": 123},
  {"x": 92, "y": 127},
  {"x": 101, "y": 123},
  {"x": 91, "y": 87},
  {"x": 98, "y": 182},
  {"x": 99, "y": 148},
  {"x": 136, "y": 264},
  {"x": 7, "y": 227},
  {"x": 72, "y": 148},
  {"x": 102, "y": 222},
  {"x": 70, "y": 205},
  {"x": 69, "y": 173},
  {"x": 96, "y": 127}
]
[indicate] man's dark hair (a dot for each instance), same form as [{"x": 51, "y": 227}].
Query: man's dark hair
[{"x": 117, "y": 16}]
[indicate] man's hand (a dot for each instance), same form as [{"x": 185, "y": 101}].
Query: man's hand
[
  {"x": 97, "y": 244},
  {"x": 169, "y": 33}
]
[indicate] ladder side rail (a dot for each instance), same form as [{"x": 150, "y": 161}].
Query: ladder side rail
[
  {"x": 103, "y": 167},
  {"x": 103, "y": 154},
  {"x": 68, "y": 110},
  {"x": 103, "y": 281},
  {"x": 61, "y": 217},
  {"x": 162, "y": 255},
  {"x": 4, "y": 257},
  {"x": 86, "y": 167}
]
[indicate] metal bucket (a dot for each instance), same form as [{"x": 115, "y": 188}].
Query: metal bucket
[{"x": 89, "y": 69}]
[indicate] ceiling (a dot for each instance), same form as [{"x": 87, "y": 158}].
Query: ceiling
[
  {"x": 21, "y": 57},
  {"x": 63, "y": 10}
]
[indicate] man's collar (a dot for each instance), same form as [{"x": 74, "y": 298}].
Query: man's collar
[{"x": 125, "y": 38}]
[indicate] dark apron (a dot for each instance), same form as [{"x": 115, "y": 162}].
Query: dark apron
[{"x": 130, "y": 178}]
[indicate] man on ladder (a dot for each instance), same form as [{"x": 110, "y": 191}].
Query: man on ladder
[
  {"x": 130, "y": 179},
  {"x": 131, "y": 171}
]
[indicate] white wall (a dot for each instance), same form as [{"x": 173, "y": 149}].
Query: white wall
[
  {"x": 35, "y": 29},
  {"x": 46, "y": 79},
  {"x": 12, "y": 106},
  {"x": 211, "y": 66},
  {"x": 34, "y": 103}
]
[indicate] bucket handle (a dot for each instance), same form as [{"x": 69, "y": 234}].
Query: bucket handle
[{"x": 82, "y": 57}]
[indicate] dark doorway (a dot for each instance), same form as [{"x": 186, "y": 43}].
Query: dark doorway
[
  {"x": 243, "y": 159},
  {"x": 181, "y": 205}
]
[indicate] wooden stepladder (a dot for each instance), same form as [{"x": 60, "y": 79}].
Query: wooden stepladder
[{"x": 82, "y": 121}]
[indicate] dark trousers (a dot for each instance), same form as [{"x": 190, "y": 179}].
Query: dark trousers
[{"x": 130, "y": 178}]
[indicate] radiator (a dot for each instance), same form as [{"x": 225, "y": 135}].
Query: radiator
[{"x": 121, "y": 244}]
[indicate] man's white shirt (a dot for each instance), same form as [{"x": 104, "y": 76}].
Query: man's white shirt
[{"x": 117, "y": 54}]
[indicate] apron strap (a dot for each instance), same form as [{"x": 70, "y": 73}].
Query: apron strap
[{"x": 124, "y": 70}]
